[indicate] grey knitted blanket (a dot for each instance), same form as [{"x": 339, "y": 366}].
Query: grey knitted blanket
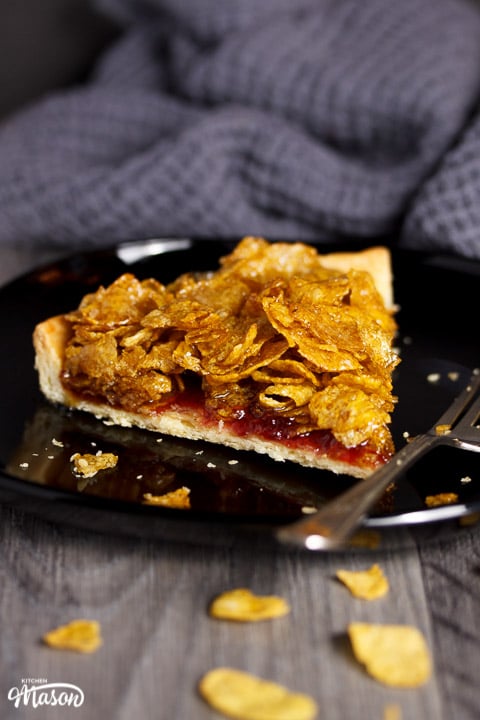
[{"x": 299, "y": 119}]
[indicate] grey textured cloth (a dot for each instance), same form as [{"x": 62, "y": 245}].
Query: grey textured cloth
[{"x": 298, "y": 119}]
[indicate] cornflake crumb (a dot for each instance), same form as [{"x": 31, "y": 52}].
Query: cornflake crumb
[
  {"x": 238, "y": 694},
  {"x": 211, "y": 465},
  {"x": 447, "y": 498},
  {"x": 308, "y": 509},
  {"x": 178, "y": 499},
  {"x": 233, "y": 462},
  {"x": 466, "y": 479},
  {"x": 392, "y": 712},
  {"x": 395, "y": 655},
  {"x": 433, "y": 377},
  {"x": 88, "y": 465},
  {"x": 470, "y": 519},
  {"x": 368, "y": 584},
  {"x": 453, "y": 376},
  {"x": 243, "y": 605},
  {"x": 24, "y": 465},
  {"x": 366, "y": 538},
  {"x": 79, "y": 635},
  {"x": 58, "y": 443}
]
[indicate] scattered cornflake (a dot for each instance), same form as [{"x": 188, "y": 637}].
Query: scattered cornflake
[
  {"x": 365, "y": 584},
  {"x": 453, "y": 376},
  {"x": 392, "y": 711},
  {"x": 443, "y": 429},
  {"x": 244, "y": 606},
  {"x": 178, "y": 499},
  {"x": 159, "y": 439},
  {"x": 79, "y": 635},
  {"x": 199, "y": 452},
  {"x": 441, "y": 499},
  {"x": 58, "y": 443},
  {"x": 243, "y": 696},
  {"x": 366, "y": 538},
  {"x": 406, "y": 434},
  {"x": 396, "y": 655},
  {"x": 88, "y": 465},
  {"x": 233, "y": 462},
  {"x": 470, "y": 519},
  {"x": 211, "y": 465},
  {"x": 433, "y": 377},
  {"x": 24, "y": 465},
  {"x": 466, "y": 479}
]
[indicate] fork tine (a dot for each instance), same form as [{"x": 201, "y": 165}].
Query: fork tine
[
  {"x": 471, "y": 416},
  {"x": 455, "y": 410},
  {"x": 466, "y": 433}
]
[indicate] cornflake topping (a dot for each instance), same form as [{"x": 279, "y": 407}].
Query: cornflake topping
[{"x": 273, "y": 329}]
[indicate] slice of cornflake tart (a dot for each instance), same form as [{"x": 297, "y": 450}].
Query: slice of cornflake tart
[{"x": 280, "y": 350}]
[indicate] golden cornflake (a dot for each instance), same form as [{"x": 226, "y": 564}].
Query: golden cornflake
[
  {"x": 366, "y": 538},
  {"x": 78, "y": 635},
  {"x": 244, "y": 606},
  {"x": 88, "y": 465},
  {"x": 365, "y": 584},
  {"x": 471, "y": 519},
  {"x": 178, "y": 499},
  {"x": 441, "y": 499},
  {"x": 392, "y": 712},
  {"x": 243, "y": 696},
  {"x": 396, "y": 655}
]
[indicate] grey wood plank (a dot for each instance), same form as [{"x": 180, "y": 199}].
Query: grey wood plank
[
  {"x": 451, "y": 576},
  {"x": 151, "y": 600}
]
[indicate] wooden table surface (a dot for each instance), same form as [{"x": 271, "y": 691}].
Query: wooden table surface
[{"x": 151, "y": 599}]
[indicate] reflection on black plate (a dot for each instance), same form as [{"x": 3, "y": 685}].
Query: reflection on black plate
[{"x": 232, "y": 492}]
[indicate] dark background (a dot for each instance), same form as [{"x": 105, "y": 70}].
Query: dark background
[{"x": 45, "y": 45}]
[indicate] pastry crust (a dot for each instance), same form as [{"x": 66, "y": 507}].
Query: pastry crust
[{"x": 52, "y": 336}]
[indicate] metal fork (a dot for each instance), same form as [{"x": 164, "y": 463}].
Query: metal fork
[{"x": 332, "y": 526}]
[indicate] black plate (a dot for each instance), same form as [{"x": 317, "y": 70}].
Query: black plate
[{"x": 232, "y": 493}]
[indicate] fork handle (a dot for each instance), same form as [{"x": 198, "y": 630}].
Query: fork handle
[{"x": 333, "y": 525}]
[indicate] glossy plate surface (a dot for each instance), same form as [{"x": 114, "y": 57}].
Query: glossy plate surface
[{"x": 233, "y": 494}]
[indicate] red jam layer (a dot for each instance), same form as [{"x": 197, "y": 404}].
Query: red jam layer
[{"x": 281, "y": 429}]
